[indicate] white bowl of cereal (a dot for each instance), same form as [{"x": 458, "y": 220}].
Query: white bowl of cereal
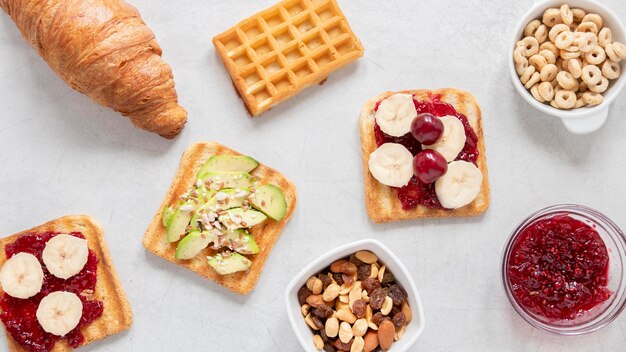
[
  {"x": 389, "y": 276},
  {"x": 566, "y": 60}
]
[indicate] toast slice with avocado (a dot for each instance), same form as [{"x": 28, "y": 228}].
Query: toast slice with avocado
[{"x": 221, "y": 216}]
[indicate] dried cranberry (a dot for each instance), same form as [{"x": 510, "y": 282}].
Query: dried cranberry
[
  {"x": 329, "y": 348},
  {"x": 326, "y": 281},
  {"x": 364, "y": 271},
  {"x": 388, "y": 278},
  {"x": 399, "y": 320},
  {"x": 359, "y": 307},
  {"x": 370, "y": 285},
  {"x": 338, "y": 279},
  {"x": 377, "y": 298},
  {"x": 348, "y": 280},
  {"x": 344, "y": 346},
  {"x": 397, "y": 294},
  {"x": 323, "y": 311},
  {"x": 303, "y": 293},
  {"x": 318, "y": 323}
]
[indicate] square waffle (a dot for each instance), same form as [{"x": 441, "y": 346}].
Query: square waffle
[{"x": 278, "y": 52}]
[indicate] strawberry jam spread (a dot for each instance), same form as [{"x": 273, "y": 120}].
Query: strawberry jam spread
[
  {"x": 558, "y": 268},
  {"x": 417, "y": 192},
  {"x": 18, "y": 315}
]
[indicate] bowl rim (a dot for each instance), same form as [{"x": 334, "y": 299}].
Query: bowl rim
[
  {"x": 580, "y": 210},
  {"x": 334, "y": 254},
  {"x": 617, "y": 87}
]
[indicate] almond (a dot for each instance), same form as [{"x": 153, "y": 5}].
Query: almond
[
  {"x": 371, "y": 341},
  {"x": 366, "y": 257},
  {"x": 407, "y": 311},
  {"x": 386, "y": 334}
]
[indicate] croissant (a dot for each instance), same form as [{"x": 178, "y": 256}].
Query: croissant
[{"x": 102, "y": 48}]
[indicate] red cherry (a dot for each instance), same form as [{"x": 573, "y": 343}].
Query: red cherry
[
  {"x": 426, "y": 128},
  {"x": 429, "y": 165}
]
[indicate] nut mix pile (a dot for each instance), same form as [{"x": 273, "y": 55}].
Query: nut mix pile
[
  {"x": 567, "y": 58},
  {"x": 355, "y": 306}
]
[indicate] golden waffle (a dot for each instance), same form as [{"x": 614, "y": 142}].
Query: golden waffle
[{"x": 278, "y": 52}]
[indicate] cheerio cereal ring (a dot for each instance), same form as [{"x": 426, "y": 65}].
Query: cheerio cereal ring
[
  {"x": 556, "y": 30},
  {"x": 549, "y": 46},
  {"x": 541, "y": 34},
  {"x": 528, "y": 72},
  {"x": 554, "y": 105},
  {"x": 518, "y": 55},
  {"x": 534, "y": 91},
  {"x": 567, "y": 81},
  {"x": 548, "y": 73},
  {"x": 619, "y": 49},
  {"x": 565, "y": 99},
  {"x": 605, "y": 37},
  {"x": 549, "y": 55},
  {"x": 521, "y": 67},
  {"x": 564, "y": 40},
  {"x": 600, "y": 87},
  {"x": 566, "y": 55},
  {"x": 580, "y": 102},
  {"x": 611, "y": 53},
  {"x": 595, "y": 18},
  {"x": 574, "y": 68},
  {"x": 595, "y": 56},
  {"x": 538, "y": 61},
  {"x": 530, "y": 45},
  {"x": 579, "y": 14},
  {"x": 531, "y": 27},
  {"x": 566, "y": 14},
  {"x": 536, "y": 77},
  {"x": 591, "y": 75},
  {"x": 552, "y": 17},
  {"x": 546, "y": 91},
  {"x": 592, "y": 98},
  {"x": 586, "y": 42},
  {"x": 587, "y": 27},
  {"x": 611, "y": 69}
]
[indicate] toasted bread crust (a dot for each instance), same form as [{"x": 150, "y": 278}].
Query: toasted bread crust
[
  {"x": 117, "y": 315},
  {"x": 381, "y": 201},
  {"x": 265, "y": 234}
]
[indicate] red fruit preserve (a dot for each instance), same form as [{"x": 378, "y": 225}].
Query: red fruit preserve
[
  {"x": 416, "y": 192},
  {"x": 18, "y": 315},
  {"x": 558, "y": 268}
]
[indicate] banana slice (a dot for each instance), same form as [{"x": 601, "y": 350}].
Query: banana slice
[
  {"x": 21, "y": 276},
  {"x": 392, "y": 164},
  {"x": 452, "y": 141},
  {"x": 460, "y": 185},
  {"x": 65, "y": 255},
  {"x": 59, "y": 312},
  {"x": 395, "y": 114}
]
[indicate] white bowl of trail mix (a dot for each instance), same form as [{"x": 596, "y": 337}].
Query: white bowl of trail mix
[
  {"x": 356, "y": 298},
  {"x": 567, "y": 60}
]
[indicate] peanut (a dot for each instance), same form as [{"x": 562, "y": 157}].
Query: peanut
[
  {"x": 332, "y": 327},
  {"x": 318, "y": 342},
  {"x": 346, "y": 315},
  {"x": 357, "y": 344},
  {"x": 309, "y": 322},
  {"x": 381, "y": 271},
  {"x": 332, "y": 291},
  {"x": 345, "y": 332},
  {"x": 400, "y": 333},
  {"x": 305, "y": 309},
  {"x": 387, "y": 305},
  {"x": 359, "y": 328},
  {"x": 354, "y": 294},
  {"x": 315, "y": 300},
  {"x": 315, "y": 285}
]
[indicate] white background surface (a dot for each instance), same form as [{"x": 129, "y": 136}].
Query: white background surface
[{"x": 62, "y": 154}]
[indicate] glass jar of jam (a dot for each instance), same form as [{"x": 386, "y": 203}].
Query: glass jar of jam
[{"x": 563, "y": 269}]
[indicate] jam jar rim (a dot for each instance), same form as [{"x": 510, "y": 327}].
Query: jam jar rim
[{"x": 595, "y": 321}]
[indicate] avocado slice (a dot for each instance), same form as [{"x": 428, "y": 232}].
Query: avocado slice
[
  {"x": 244, "y": 218},
  {"x": 270, "y": 200},
  {"x": 228, "y": 163},
  {"x": 166, "y": 215},
  {"x": 241, "y": 241},
  {"x": 229, "y": 262},
  {"x": 177, "y": 225},
  {"x": 228, "y": 199},
  {"x": 239, "y": 180},
  {"x": 194, "y": 242}
]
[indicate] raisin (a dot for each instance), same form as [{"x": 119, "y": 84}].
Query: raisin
[
  {"x": 323, "y": 335},
  {"x": 394, "y": 310},
  {"x": 399, "y": 320},
  {"x": 349, "y": 269},
  {"x": 303, "y": 293},
  {"x": 388, "y": 278},
  {"x": 338, "y": 279},
  {"x": 348, "y": 280},
  {"x": 377, "y": 318},
  {"x": 317, "y": 322},
  {"x": 364, "y": 271},
  {"x": 397, "y": 294},
  {"x": 343, "y": 346},
  {"x": 377, "y": 297},
  {"x": 370, "y": 285},
  {"x": 323, "y": 311},
  {"x": 325, "y": 280},
  {"x": 329, "y": 348},
  {"x": 358, "y": 308},
  {"x": 356, "y": 261}
]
